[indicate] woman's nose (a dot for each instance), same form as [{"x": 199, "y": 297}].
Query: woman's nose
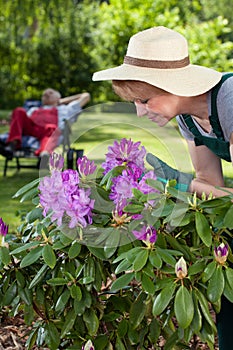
[{"x": 140, "y": 108}]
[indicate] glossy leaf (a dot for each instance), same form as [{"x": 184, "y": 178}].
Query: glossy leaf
[
  {"x": 203, "y": 228},
  {"x": 183, "y": 307},
  {"x": 5, "y": 257},
  {"x": 203, "y": 302},
  {"x": 62, "y": 300},
  {"x": 147, "y": 284},
  {"x": 140, "y": 260},
  {"x": 228, "y": 219},
  {"x": 74, "y": 250},
  {"x": 53, "y": 340},
  {"x": 69, "y": 323},
  {"x": 208, "y": 271},
  {"x": 137, "y": 310},
  {"x": 216, "y": 285},
  {"x": 91, "y": 321},
  {"x": 163, "y": 299},
  {"x": 122, "y": 281},
  {"x": 31, "y": 257},
  {"x": 49, "y": 256}
]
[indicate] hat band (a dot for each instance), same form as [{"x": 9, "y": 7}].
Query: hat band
[{"x": 140, "y": 62}]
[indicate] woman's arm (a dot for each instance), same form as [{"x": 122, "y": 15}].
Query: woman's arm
[{"x": 208, "y": 171}]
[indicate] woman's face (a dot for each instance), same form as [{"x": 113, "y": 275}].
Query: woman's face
[
  {"x": 159, "y": 109},
  {"x": 157, "y": 104}
]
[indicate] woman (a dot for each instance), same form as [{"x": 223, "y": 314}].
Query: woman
[{"x": 158, "y": 77}]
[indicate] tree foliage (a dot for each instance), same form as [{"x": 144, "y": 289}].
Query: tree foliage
[{"x": 61, "y": 43}]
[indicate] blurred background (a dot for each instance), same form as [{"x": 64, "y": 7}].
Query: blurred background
[{"x": 60, "y": 44}]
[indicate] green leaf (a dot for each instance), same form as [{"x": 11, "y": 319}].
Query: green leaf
[
  {"x": 53, "y": 339},
  {"x": 62, "y": 300},
  {"x": 68, "y": 324},
  {"x": 5, "y": 257},
  {"x": 26, "y": 188},
  {"x": 229, "y": 275},
  {"x": 33, "y": 215},
  {"x": 228, "y": 290},
  {"x": 137, "y": 310},
  {"x": 196, "y": 268},
  {"x": 155, "y": 259},
  {"x": 31, "y": 257},
  {"x": 133, "y": 208},
  {"x": 196, "y": 323},
  {"x": 20, "y": 278},
  {"x": 203, "y": 302},
  {"x": 57, "y": 281},
  {"x": 26, "y": 295},
  {"x": 28, "y": 314},
  {"x": 203, "y": 228},
  {"x": 147, "y": 284},
  {"x": 208, "y": 271},
  {"x": 9, "y": 295},
  {"x": 74, "y": 250},
  {"x": 122, "y": 281},
  {"x": 228, "y": 218},
  {"x": 24, "y": 247},
  {"x": 49, "y": 256},
  {"x": 122, "y": 328},
  {"x": 216, "y": 285},
  {"x": 75, "y": 292},
  {"x": 166, "y": 256},
  {"x": 183, "y": 307},
  {"x": 140, "y": 260},
  {"x": 91, "y": 321},
  {"x": 111, "y": 243},
  {"x": 163, "y": 299},
  {"x": 123, "y": 266},
  {"x": 39, "y": 276}
]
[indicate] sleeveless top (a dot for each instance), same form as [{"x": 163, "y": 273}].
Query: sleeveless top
[{"x": 218, "y": 145}]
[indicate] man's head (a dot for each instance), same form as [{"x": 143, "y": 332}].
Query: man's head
[{"x": 50, "y": 97}]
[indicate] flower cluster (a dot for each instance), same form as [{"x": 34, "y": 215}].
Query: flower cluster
[
  {"x": 126, "y": 152},
  {"x": 61, "y": 194},
  {"x": 131, "y": 157},
  {"x": 66, "y": 196}
]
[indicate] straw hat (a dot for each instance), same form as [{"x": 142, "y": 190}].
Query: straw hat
[{"x": 159, "y": 56}]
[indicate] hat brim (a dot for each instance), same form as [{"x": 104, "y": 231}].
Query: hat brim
[{"x": 191, "y": 80}]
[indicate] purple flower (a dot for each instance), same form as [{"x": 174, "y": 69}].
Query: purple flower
[
  {"x": 85, "y": 166},
  {"x": 3, "y": 228},
  {"x": 221, "y": 253},
  {"x": 56, "y": 161},
  {"x": 147, "y": 234},
  {"x": 60, "y": 193},
  {"x": 127, "y": 153},
  {"x": 122, "y": 187}
]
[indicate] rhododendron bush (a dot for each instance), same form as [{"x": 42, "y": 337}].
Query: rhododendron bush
[{"x": 111, "y": 258}]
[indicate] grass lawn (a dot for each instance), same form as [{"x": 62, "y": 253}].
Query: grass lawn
[{"x": 97, "y": 127}]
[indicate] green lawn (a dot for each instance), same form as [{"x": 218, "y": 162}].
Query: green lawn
[{"x": 97, "y": 127}]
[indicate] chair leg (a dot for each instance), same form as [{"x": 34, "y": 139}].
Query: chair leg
[
  {"x": 18, "y": 164},
  {"x": 5, "y": 167}
]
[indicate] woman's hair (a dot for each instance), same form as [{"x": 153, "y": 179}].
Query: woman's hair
[{"x": 131, "y": 90}]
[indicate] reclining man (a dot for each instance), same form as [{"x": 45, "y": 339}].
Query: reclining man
[{"x": 44, "y": 123}]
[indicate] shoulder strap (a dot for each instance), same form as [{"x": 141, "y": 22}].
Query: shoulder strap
[{"x": 214, "y": 120}]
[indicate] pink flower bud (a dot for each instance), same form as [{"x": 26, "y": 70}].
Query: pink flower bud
[
  {"x": 181, "y": 268},
  {"x": 221, "y": 253}
]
